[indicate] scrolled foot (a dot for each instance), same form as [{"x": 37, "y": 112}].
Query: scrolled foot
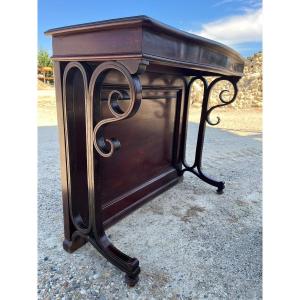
[
  {"x": 218, "y": 184},
  {"x": 127, "y": 264},
  {"x": 131, "y": 281},
  {"x": 221, "y": 188}
]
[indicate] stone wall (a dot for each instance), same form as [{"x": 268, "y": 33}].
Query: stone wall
[{"x": 250, "y": 86}]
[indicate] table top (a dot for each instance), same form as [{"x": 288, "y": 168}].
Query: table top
[{"x": 142, "y": 37}]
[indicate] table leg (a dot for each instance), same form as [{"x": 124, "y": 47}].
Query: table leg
[
  {"x": 196, "y": 168},
  {"x": 81, "y": 228},
  {"x": 105, "y": 147}
]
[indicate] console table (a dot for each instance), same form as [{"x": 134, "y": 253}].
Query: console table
[{"x": 122, "y": 92}]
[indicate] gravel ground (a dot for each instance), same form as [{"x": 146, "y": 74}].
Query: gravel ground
[
  {"x": 46, "y": 107},
  {"x": 191, "y": 242}
]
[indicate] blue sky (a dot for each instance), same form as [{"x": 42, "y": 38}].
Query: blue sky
[{"x": 236, "y": 23}]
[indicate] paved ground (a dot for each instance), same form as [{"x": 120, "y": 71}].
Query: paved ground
[{"x": 191, "y": 242}]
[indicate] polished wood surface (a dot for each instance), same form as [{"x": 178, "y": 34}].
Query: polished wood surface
[
  {"x": 122, "y": 107},
  {"x": 137, "y": 38},
  {"x": 147, "y": 144}
]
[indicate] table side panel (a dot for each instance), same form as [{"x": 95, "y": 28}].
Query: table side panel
[
  {"x": 173, "y": 48},
  {"x": 98, "y": 43},
  {"x": 145, "y": 163}
]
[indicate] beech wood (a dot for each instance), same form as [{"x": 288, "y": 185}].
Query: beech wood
[
  {"x": 138, "y": 38},
  {"x": 122, "y": 107}
]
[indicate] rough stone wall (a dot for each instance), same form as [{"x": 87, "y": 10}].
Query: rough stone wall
[{"x": 250, "y": 86}]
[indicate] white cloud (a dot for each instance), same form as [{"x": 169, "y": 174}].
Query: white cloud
[
  {"x": 222, "y": 2},
  {"x": 235, "y": 29},
  {"x": 248, "y": 4}
]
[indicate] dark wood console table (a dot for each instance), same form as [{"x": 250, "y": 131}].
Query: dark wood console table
[{"x": 122, "y": 90}]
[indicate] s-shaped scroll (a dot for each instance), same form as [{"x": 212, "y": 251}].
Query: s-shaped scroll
[{"x": 107, "y": 146}]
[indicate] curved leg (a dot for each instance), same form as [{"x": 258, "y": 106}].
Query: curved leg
[
  {"x": 106, "y": 147},
  {"x": 205, "y": 117},
  {"x": 220, "y": 185},
  {"x": 77, "y": 233},
  {"x": 123, "y": 262},
  {"x": 103, "y": 245}
]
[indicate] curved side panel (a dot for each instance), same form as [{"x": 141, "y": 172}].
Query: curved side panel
[
  {"x": 75, "y": 88},
  {"x": 98, "y": 145}
]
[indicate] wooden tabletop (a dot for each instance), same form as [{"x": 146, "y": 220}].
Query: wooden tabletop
[{"x": 142, "y": 37}]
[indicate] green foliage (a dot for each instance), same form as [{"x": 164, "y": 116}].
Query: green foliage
[{"x": 44, "y": 59}]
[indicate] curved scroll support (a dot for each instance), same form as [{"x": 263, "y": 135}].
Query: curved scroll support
[
  {"x": 92, "y": 230},
  {"x": 74, "y": 206},
  {"x": 187, "y": 104},
  {"x": 106, "y": 147},
  {"x": 196, "y": 168},
  {"x": 220, "y": 185},
  {"x": 224, "y": 102},
  {"x": 125, "y": 263}
]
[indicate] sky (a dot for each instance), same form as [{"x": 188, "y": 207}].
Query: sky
[{"x": 236, "y": 23}]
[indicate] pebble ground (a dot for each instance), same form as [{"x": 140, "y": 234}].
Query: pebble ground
[{"x": 191, "y": 242}]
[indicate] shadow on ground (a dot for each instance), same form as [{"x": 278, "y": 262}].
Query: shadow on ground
[{"x": 191, "y": 242}]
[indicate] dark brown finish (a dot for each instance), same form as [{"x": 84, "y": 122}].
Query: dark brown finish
[
  {"x": 122, "y": 105},
  {"x": 138, "y": 38}
]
